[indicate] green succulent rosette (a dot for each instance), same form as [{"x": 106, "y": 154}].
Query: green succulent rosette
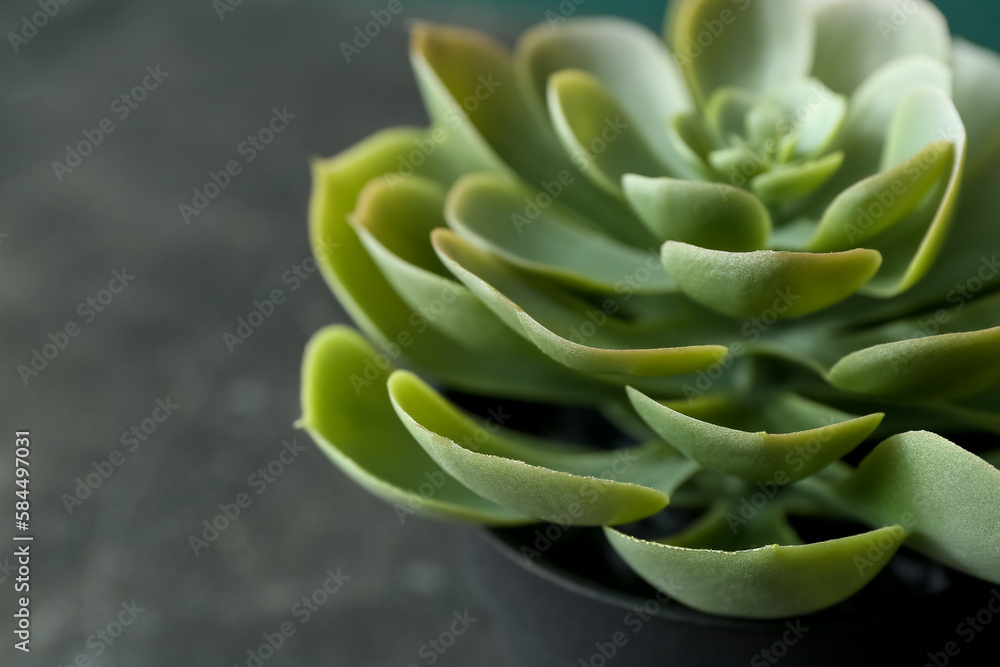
[{"x": 755, "y": 244}]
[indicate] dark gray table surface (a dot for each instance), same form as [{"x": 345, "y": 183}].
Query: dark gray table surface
[{"x": 162, "y": 337}]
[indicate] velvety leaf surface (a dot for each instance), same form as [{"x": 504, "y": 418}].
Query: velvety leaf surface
[
  {"x": 550, "y": 320},
  {"x": 721, "y": 528},
  {"x": 871, "y": 206},
  {"x": 710, "y": 215},
  {"x": 567, "y": 488},
  {"x": 977, "y": 98},
  {"x": 472, "y": 94},
  {"x": 779, "y": 34},
  {"x": 950, "y": 365},
  {"x": 597, "y": 133},
  {"x": 767, "y": 582},
  {"x": 553, "y": 242},
  {"x": 757, "y": 457},
  {"x": 947, "y": 498},
  {"x": 856, "y": 37},
  {"x": 346, "y": 410},
  {"x": 374, "y": 305},
  {"x": 623, "y": 56},
  {"x": 787, "y": 284},
  {"x": 788, "y": 183},
  {"x": 394, "y": 224},
  {"x": 925, "y": 114}
]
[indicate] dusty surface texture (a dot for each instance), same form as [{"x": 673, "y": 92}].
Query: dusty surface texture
[{"x": 161, "y": 337}]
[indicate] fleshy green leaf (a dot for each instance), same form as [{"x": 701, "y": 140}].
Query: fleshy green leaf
[
  {"x": 623, "y": 56},
  {"x": 739, "y": 163},
  {"x": 812, "y": 115},
  {"x": 872, "y": 108},
  {"x": 767, "y": 582},
  {"x": 710, "y": 215},
  {"x": 924, "y": 115},
  {"x": 878, "y": 202},
  {"x": 968, "y": 264},
  {"x": 486, "y": 123},
  {"x": 596, "y": 132},
  {"x": 767, "y": 282},
  {"x": 869, "y": 116},
  {"x": 787, "y": 183},
  {"x": 346, "y": 410},
  {"x": 763, "y": 121},
  {"x": 973, "y": 315},
  {"x": 374, "y": 305},
  {"x": 726, "y": 113},
  {"x": 394, "y": 223},
  {"x": 713, "y": 39},
  {"x": 950, "y": 365},
  {"x": 856, "y": 37},
  {"x": 690, "y": 140},
  {"x": 535, "y": 233},
  {"x": 566, "y": 488},
  {"x": 948, "y": 499},
  {"x": 757, "y": 457},
  {"x": 551, "y": 320},
  {"x": 449, "y": 63},
  {"x": 977, "y": 98},
  {"x": 336, "y": 185}
]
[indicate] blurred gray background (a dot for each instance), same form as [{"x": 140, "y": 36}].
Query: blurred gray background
[{"x": 61, "y": 238}]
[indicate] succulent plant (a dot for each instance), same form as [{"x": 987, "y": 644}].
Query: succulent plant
[{"x": 757, "y": 245}]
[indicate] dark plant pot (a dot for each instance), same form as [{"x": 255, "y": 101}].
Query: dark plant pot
[{"x": 557, "y": 612}]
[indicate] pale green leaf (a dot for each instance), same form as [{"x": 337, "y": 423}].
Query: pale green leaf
[
  {"x": 856, "y": 37},
  {"x": 925, "y": 114},
  {"x": 710, "y": 215},
  {"x": 567, "y": 331},
  {"x": 394, "y": 223},
  {"x": 534, "y": 232},
  {"x": 726, "y": 112},
  {"x": 624, "y": 56},
  {"x": 811, "y": 118},
  {"x": 690, "y": 140},
  {"x": 787, "y": 183},
  {"x": 758, "y": 457},
  {"x": 950, "y": 365},
  {"x": 374, "y": 305},
  {"x": 474, "y": 98},
  {"x": 767, "y": 582},
  {"x": 346, "y": 410},
  {"x": 568, "y": 488},
  {"x": 948, "y": 499},
  {"x": 768, "y": 283},
  {"x": 753, "y": 45},
  {"x": 597, "y": 133},
  {"x": 977, "y": 98},
  {"x": 878, "y": 202}
]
